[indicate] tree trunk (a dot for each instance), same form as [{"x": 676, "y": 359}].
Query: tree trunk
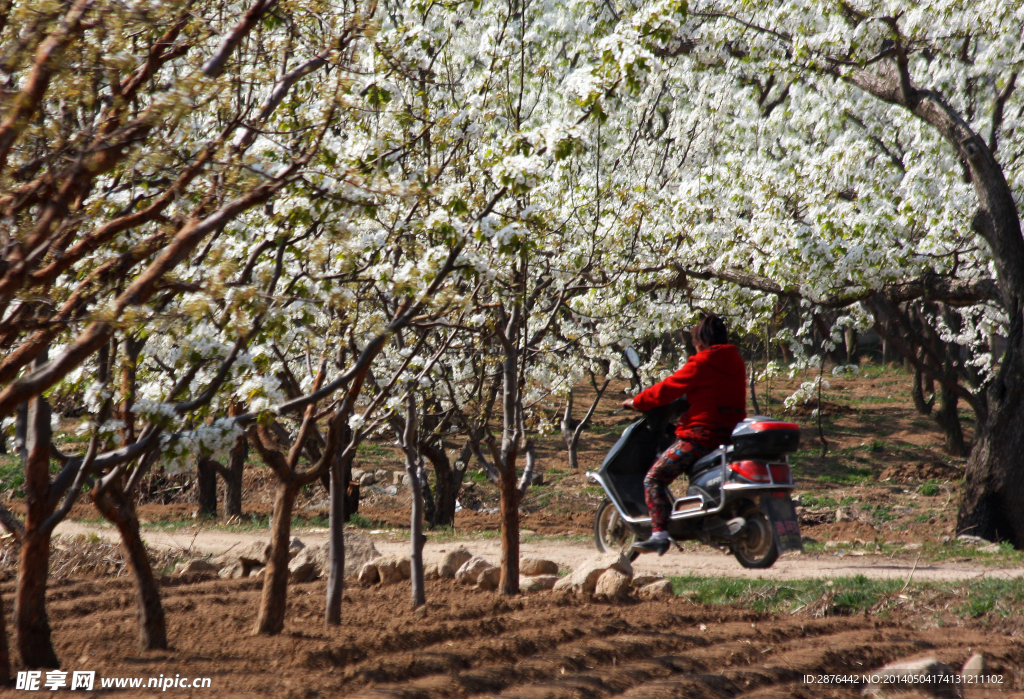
[
  {"x": 270, "y": 620},
  {"x": 447, "y": 483},
  {"x": 20, "y": 431},
  {"x": 948, "y": 419},
  {"x": 922, "y": 406},
  {"x": 568, "y": 426},
  {"x": 232, "y": 476},
  {"x": 206, "y": 484},
  {"x": 419, "y": 595},
  {"x": 118, "y": 508},
  {"x": 509, "y": 584},
  {"x": 31, "y": 623},
  {"x": 993, "y": 492},
  {"x": 850, "y": 338},
  {"x": 336, "y": 551},
  {"x": 5, "y": 654}
]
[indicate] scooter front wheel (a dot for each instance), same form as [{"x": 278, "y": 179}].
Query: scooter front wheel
[{"x": 611, "y": 533}]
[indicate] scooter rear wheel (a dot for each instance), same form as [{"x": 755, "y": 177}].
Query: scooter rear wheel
[
  {"x": 610, "y": 532},
  {"x": 755, "y": 547}
]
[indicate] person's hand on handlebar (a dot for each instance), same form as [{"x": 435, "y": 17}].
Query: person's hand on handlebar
[{"x": 628, "y": 404}]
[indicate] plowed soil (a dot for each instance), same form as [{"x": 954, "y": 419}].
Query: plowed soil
[{"x": 468, "y": 643}]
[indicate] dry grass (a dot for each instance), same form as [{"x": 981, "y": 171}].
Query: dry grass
[{"x": 82, "y": 557}]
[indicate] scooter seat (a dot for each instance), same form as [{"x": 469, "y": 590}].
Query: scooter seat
[{"x": 705, "y": 462}]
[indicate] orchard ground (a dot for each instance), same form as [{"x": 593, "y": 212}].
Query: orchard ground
[{"x": 882, "y": 578}]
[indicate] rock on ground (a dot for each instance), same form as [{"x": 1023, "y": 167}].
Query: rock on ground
[
  {"x": 294, "y": 547},
  {"x": 906, "y": 669},
  {"x": 612, "y": 583},
  {"x": 655, "y": 590},
  {"x": 537, "y": 583},
  {"x": 359, "y": 550},
  {"x": 644, "y": 580},
  {"x": 452, "y": 561},
  {"x": 237, "y": 568},
  {"x": 469, "y": 572},
  {"x": 386, "y": 570},
  {"x": 303, "y": 566},
  {"x": 255, "y": 554},
  {"x": 196, "y": 566},
  {"x": 975, "y": 665},
  {"x": 368, "y": 574},
  {"x": 489, "y": 578},
  {"x": 537, "y": 566},
  {"x": 584, "y": 579}
]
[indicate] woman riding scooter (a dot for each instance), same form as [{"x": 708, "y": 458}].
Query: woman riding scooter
[{"x": 714, "y": 383}]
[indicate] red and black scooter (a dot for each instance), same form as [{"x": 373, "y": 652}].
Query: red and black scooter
[{"x": 738, "y": 496}]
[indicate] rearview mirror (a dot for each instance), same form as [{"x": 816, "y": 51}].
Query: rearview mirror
[{"x": 632, "y": 357}]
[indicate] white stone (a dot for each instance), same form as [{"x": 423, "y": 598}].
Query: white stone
[
  {"x": 975, "y": 665},
  {"x": 195, "y": 566},
  {"x": 612, "y": 583},
  {"x": 537, "y": 566},
  {"x": 537, "y": 583},
  {"x": 303, "y": 567},
  {"x": 657, "y": 589},
  {"x": 368, "y": 574},
  {"x": 255, "y": 553},
  {"x": 584, "y": 578},
  {"x": 452, "y": 561},
  {"x": 469, "y": 572},
  {"x": 642, "y": 580},
  {"x": 489, "y": 578}
]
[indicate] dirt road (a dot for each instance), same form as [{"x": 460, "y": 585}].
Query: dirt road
[{"x": 706, "y": 562}]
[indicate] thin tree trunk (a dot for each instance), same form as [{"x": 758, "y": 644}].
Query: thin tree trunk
[
  {"x": 509, "y": 584},
  {"x": 5, "y": 654},
  {"x": 568, "y": 431},
  {"x": 573, "y": 442},
  {"x": 118, "y": 508},
  {"x": 31, "y": 623},
  {"x": 270, "y": 620},
  {"x": 419, "y": 595},
  {"x": 232, "y": 476},
  {"x": 922, "y": 406},
  {"x": 948, "y": 418},
  {"x": 336, "y": 551},
  {"x": 447, "y": 482},
  {"x": 753, "y": 389},
  {"x": 206, "y": 484},
  {"x": 235, "y": 471},
  {"x": 21, "y": 431}
]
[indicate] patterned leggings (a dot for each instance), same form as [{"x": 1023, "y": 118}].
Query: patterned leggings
[{"x": 676, "y": 460}]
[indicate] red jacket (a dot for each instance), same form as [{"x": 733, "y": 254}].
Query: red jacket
[{"x": 714, "y": 383}]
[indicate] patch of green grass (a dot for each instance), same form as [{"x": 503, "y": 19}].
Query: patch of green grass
[
  {"x": 929, "y": 490},
  {"x": 357, "y": 520},
  {"x": 845, "y": 596},
  {"x": 12, "y": 476},
  {"x": 371, "y": 449},
  {"x": 836, "y": 597}
]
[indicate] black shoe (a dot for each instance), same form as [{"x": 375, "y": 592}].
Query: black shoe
[{"x": 660, "y": 546}]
